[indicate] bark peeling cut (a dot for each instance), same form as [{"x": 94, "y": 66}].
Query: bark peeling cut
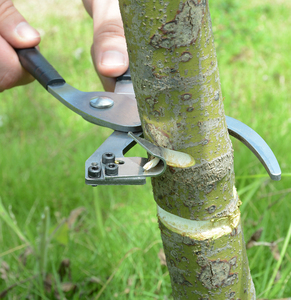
[{"x": 202, "y": 230}]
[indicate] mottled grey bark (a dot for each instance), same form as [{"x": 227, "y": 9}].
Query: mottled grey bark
[{"x": 176, "y": 81}]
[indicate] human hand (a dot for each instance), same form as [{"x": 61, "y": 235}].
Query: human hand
[
  {"x": 15, "y": 32},
  {"x": 109, "y": 52}
]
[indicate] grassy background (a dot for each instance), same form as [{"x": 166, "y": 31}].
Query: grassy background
[{"x": 104, "y": 242}]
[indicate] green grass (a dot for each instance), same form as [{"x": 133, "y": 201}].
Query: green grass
[{"x": 112, "y": 244}]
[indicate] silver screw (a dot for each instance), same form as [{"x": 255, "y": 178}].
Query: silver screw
[{"x": 101, "y": 102}]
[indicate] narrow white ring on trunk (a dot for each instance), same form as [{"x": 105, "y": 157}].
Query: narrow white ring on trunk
[{"x": 201, "y": 230}]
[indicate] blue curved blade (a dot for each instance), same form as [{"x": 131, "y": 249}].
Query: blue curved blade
[{"x": 256, "y": 144}]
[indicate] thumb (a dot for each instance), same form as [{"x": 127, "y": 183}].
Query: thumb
[
  {"x": 109, "y": 50},
  {"x": 14, "y": 28}
]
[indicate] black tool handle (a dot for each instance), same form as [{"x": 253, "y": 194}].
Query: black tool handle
[
  {"x": 33, "y": 61},
  {"x": 125, "y": 76}
]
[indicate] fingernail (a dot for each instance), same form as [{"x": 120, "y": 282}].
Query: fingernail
[
  {"x": 112, "y": 58},
  {"x": 25, "y": 31}
]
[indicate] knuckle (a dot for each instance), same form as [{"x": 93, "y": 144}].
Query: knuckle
[
  {"x": 7, "y": 9},
  {"x": 6, "y": 81},
  {"x": 110, "y": 30}
]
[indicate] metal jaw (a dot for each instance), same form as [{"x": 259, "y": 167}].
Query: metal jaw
[
  {"x": 130, "y": 169},
  {"x": 127, "y": 170},
  {"x": 83, "y": 103},
  {"x": 256, "y": 144},
  {"x": 118, "y": 111}
]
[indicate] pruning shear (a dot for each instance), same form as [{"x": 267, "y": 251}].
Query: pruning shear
[{"x": 118, "y": 111}]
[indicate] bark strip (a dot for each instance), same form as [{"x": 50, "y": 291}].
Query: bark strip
[{"x": 202, "y": 230}]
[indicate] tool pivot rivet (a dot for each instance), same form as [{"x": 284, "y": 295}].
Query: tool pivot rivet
[{"x": 101, "y": 102}]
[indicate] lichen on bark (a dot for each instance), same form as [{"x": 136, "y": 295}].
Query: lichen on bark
[
  {"x": 176, "y": 81},
  {"x": 208, "y": 269}
]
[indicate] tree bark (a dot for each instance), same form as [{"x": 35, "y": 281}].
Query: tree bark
[{"x": 176, "y": 81}]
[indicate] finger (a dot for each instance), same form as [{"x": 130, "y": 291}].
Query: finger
[
  {"x": 107, "y": 82},
  {"x": 109, "y": 50},
  {"x": 15, "y": 32},
  {"x": 11, "y": 72},
  {"x": 88, "y": 6},
  {"x": 14, "y": 28}
]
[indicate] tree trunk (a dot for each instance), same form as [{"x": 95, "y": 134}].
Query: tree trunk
[{"x": 176, "y": 81}]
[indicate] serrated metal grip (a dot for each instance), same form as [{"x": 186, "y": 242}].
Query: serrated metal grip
[{"x": 33, "y": 61}]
